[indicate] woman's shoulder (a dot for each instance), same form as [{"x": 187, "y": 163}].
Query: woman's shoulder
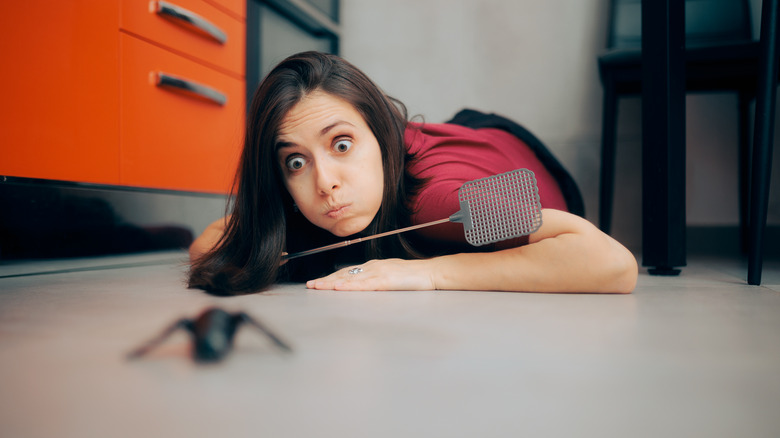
[{"x": 439, "y": 130}]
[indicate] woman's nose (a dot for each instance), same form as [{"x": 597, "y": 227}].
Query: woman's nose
[{"x": 326, "y": 179}]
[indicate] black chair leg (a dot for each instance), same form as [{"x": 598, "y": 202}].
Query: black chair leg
[
  {"x": 744, "y": 100},
  {"x": 763, "y": 138},
  {"x": 608, "y": 144},
  {"x": 663, "y": 136}
]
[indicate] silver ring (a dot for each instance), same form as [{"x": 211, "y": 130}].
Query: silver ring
[{"x": 357, "y": 270}]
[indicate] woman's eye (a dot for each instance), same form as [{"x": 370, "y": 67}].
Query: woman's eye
[
  {"x": 295, "y": 163},
  {"x": 342, "y": 145}
]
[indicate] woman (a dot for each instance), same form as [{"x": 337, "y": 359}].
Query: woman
[{"x": 328, "y": 156}]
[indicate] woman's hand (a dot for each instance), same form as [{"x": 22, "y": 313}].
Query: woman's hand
[{"x": 388, "y": 274}]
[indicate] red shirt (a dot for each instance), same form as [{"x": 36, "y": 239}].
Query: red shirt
[{"x": 449, "y": 155}]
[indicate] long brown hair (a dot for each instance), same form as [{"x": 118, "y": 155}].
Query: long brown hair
[{"x": 263, "y": 223}]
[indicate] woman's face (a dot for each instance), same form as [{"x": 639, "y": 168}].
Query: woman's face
[{"x": 331, "y": 163}]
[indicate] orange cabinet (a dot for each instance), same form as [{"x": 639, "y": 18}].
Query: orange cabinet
[
  {"x": 60, "y": 100},
  {"x": 236, "y": 7},
  {"x": 94, "y": 91}
]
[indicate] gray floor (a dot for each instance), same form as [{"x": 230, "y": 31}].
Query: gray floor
[{"x": 692, "y": 356}]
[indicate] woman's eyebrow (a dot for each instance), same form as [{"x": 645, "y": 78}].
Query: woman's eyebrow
[
  {"x": 326, "y": 129},
  {"x": 283, "y": 144},
  {"x": 280, "y": 144}
]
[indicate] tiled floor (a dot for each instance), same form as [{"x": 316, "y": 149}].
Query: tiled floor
[{"x": 690, "y": 356}]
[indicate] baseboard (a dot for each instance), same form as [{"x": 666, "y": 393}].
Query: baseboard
[{"x": 725, "y": 240}]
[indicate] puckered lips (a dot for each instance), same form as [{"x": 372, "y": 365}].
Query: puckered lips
[{"x": 337, "y": 211}]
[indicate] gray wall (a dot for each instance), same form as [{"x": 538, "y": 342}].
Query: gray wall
[{"x": 535, "y": 61}]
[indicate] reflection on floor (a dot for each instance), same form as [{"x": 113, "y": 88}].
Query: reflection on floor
[{"x": 695, "y": 355}]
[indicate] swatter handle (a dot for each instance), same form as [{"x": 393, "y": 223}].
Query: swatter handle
[
  {"x": 295, "y": 255},
  {"x": 361, "y": 239}
]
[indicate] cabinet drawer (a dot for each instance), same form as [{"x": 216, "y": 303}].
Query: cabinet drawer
[
  {"x": 171, "y": 139},
  {"x": 144, "y": 19},
  {"x": 238, "y": 7}
]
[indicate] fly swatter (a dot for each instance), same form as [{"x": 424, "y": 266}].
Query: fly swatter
[{"x": 492, "y": 209}]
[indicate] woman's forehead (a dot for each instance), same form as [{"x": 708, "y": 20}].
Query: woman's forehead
[{"x": 316, "y": 111}]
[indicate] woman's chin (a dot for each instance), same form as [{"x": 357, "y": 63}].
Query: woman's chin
[{"x": 348, "y": 227}]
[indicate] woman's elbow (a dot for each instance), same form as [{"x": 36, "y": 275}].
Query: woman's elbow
[
  {"x": 200, "y": 246},
  {"x": 196, "y": 250},
  {"x": 207, "y": 240},
  {"x": 623, "y": 273}
]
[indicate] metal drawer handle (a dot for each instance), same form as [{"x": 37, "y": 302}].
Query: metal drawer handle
[
  {"x": 202, "y": 91},
  {"x": 178, "y": 13}
]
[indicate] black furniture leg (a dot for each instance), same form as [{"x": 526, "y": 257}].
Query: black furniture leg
[
  {"x": 608, "y": 144},
  {"x": 763, "y": 139},
  {"x": 663, "y": 136},
  {"x": 744, "y": 100}
]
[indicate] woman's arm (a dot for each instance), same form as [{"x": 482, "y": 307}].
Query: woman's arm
[
  {"x": 566, "y": 254},
  {"x": 208, "y": 239}
]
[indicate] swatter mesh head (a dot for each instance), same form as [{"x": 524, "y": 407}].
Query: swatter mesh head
[{"x": 501, "y": 207}]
